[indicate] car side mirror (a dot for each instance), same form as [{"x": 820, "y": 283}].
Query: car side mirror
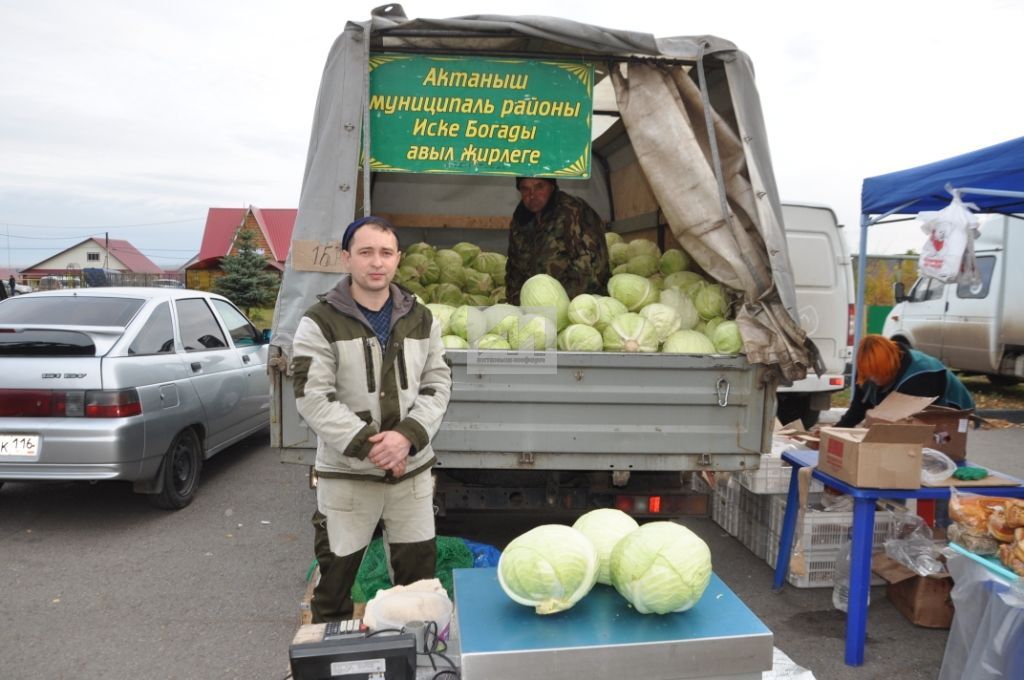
[
  {"x": 265, "y": 335},
  {"x": 899, "y": 291}
]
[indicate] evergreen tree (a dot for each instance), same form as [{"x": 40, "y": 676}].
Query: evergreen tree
[{"x": 246, "y": 281}]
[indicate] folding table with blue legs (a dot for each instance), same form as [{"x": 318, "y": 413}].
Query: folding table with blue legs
[{"x": 863, "y": 530}]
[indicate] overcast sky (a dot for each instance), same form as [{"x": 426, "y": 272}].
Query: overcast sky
[{"x": 134, "y": 117}]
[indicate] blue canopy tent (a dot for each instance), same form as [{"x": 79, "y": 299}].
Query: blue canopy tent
[{"x": 991, "y": 178}]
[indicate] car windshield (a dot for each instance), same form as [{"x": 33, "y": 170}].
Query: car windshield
[{"x": 70, "y": 310}]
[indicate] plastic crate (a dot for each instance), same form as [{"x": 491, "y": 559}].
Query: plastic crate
[
  {"x": 772, "y": 477},
  {"x": 755, "y": 537},
  {"x": 822, "y": 530},
  {"x": 756, "y": 506},
  {"x": 725, "y": 505},
  {"x": 821, "y": 566}
]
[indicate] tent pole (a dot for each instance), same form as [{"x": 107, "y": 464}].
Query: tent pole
[{"x": 858, "y": 319}]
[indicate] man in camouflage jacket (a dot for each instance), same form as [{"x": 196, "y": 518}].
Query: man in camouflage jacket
[{"x": 557, "y": 234}]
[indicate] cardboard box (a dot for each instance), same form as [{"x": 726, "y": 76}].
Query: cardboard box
[
  {"x": 950, "y": 425},
  {"x": 883, "y": 456},
  {"x": 924, "y": 600}
]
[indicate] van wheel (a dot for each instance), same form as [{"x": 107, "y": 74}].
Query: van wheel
[
  {"x": 796, "y": 407},
  {"x": 180, "y": 472},
  {"x": 1003, "y": 380}
]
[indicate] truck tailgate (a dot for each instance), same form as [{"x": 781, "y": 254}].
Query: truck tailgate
[{"x": 594, "y": 411}]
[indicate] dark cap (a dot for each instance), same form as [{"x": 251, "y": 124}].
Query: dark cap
[
  {"x": 352, "y": 228},
  {"x": 552, "y": 180}
]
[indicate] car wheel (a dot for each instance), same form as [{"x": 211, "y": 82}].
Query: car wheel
[{"x": 180, "y": 472}]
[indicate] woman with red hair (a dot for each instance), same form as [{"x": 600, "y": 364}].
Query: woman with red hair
[{"x": 884, "y": 367}]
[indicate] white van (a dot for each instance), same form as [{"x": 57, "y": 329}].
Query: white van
[
  {"x": 976, "y": 330},
  {"x": 823, "y": 274}
]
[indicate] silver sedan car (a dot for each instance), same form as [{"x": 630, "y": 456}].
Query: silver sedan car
[{"x": 135, "y": 384}]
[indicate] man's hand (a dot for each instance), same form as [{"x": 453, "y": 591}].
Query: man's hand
[{"x": 390, "y": 450}]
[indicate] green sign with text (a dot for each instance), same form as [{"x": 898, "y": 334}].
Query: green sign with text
[{"x": 480, "y": 116}]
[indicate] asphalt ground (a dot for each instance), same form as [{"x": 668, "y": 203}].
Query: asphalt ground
[{"x": 99, "y": 584}]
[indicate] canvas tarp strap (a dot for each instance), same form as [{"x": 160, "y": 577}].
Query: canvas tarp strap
[{"x": 658, "y": 105}]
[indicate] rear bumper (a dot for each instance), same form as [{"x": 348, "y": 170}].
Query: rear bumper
[{"x": 78, "y": 449}]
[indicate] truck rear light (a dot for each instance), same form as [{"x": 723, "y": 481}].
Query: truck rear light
[
  {"x": 837, "y": 381},
  {"x": 69, "y": 403},
  {"x": 654, "y": 504},
  {"x": 112, "y": 404}
]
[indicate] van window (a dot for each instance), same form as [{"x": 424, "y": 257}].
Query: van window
[
  {"x": 926, "y": 288},
  {"x": 986, "y": 265}
]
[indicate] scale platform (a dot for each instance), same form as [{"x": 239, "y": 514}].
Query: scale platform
[{"x": 603, "y": 637}]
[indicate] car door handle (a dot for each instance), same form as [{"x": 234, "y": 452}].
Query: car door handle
[
  {"x": 245, "y": 358},
  {"x": 196, "y": 365}
]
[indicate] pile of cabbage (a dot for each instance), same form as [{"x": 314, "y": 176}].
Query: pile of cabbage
[
  {"x": 660, "y": 567},
  {"x": 460, "y": 275},
  {"x": 655, "y": 303}
]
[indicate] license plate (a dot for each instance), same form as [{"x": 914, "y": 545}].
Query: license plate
[{"x": 24, "y": 445}]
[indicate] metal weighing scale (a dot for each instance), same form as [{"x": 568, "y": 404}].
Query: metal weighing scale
[{"x": 603, "y": 637}]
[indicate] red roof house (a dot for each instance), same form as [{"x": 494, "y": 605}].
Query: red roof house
[{"x": 272, "y": 226}]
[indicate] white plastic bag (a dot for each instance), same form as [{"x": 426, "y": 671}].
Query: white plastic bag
[{"x": 950, "y": 232}]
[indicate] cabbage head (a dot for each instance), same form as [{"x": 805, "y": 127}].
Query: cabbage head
[
  {"x": 468, "y": 323},
  {"x": 609, "y": 308},
  {"x": 710, "y": 325},
  {"x": 467, "y": 251},
  {"x": 642, "y": 265},
  {"x": 578, "y": 337},
  {"x": 726, "y": 337},
  {"x": 545, "y": 291},
  {"x": 630, "y": 332},
  {"x": 688, "y": 342},
  {"x": 711, "y": 302},
  {"x": 421, "y": 248},
  {"x": 665, "y": 319},
  {"x": 673, "y": 260},
  {"x": 447, "y": 258},
  {"x": 631, "y": 290},
  {"x": 498, "y": 319},
  {"x": 498, "y": 296},
  {"x": 491, "y": 341},
  {"x": 611, "y": 238},
  {"x": 661, "y": 567},
  {"x": 534, "y": 333},
  {"x": 682, "y": 279},
  {"x": 678, "y": 300},
  {"x": 477, "y": 300},
  {"x": 605, "y": 527},
  {"x": 585, "y": 309},
  {"x": 447, "y": 294},
  {"x": 454, "y": 342},
  {"x": 549, "y": 568},
  {"x": 642, "y": 246},
  {"x": 618, "y": 254},
  {"x": 455, "y": 275},
  {"x": 477, "y": 283},
  {"x": 443, "y": 314},
  {"x": 492, "y": 264},
  {"x": 621, "y": 269}
]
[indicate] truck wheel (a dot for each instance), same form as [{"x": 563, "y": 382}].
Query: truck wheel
[{"x": 180, "y": 472}]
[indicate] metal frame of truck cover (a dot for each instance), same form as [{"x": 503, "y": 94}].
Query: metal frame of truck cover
[{"x": 596, "y": 411}]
